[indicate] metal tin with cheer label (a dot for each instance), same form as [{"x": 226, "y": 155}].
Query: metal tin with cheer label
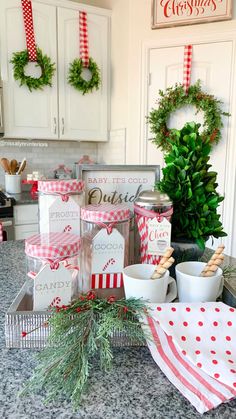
[{"x": 153, "y": 211}]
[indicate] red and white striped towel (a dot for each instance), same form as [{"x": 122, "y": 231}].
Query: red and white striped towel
[
  {"x": 207, "y": 334},
  {"x": 202, "y": 391}
]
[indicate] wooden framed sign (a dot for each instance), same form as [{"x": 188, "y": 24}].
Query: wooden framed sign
[
  {"x": 116, "y": 183},
  {"x": 181, "y": 12}
]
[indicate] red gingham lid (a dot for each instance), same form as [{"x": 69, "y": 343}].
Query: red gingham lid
[
  {"x": 52, "y": 245},
  {"x": 61, "y": 186},
  {"x": 105, "y": 213}
]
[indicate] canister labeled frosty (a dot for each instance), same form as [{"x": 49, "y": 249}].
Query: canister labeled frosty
[
  {"x": 153, "y": 211},
  {"x": 59, "y": 205}
]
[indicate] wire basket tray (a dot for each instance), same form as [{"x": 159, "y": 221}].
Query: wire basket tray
[{"x": 20, "y": 317}]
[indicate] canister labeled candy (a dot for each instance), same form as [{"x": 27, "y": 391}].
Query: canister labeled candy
[
  {"x": 53, "y": 267},
  {"x": 153, "y": 211},
  {"x": 59, "y": 205},
  {"x": 105, "y": 245}
]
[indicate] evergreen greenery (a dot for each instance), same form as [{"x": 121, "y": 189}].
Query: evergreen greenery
[
  {"x": 175, "y": 98},
  {"x": 75, "y": 76},
  {"x": 191, "y": 186},
  {"x": 19, "y": 61},
  {"x": 81, "y": 331}
]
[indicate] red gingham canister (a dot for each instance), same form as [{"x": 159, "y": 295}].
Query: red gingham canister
[
  {"x": 53, "y": 250},
  {"x": 52, "y": 246},
  {"x": 59, "y": 205},
  {"x": 102, "y": 259},
  {"x": 61, "y": 187},
  {"x": 105, "y": 213}
]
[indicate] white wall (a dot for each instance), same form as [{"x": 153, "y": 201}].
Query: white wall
[
  {"x": 131, "y": 27},
  {"x": 45, "y": 156}
]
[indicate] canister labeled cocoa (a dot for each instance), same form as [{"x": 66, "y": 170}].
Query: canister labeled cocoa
[{"x": 105, "y": 239}]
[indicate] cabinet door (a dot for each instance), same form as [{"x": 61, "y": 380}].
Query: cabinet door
[
  {"x": 28, "y": 114},
  {"x": 24, "y": 231},
  {"x": 82, "y": 117},
  {"x": 166, "y": 68}
]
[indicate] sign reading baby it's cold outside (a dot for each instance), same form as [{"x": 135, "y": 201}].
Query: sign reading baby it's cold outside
[{"x": 188, "y": 12}]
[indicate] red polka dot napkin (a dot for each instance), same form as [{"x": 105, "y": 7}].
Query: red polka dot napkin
[{"x": 194, "y": 345}]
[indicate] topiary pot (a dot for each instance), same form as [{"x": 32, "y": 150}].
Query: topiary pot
[{"x": 184, "y": 250}]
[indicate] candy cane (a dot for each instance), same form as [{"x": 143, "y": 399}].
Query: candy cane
[
  {"x": 67, "y": 229},
  {"x": 55, "y": 301},
  {"x": 109, "y": 262}
]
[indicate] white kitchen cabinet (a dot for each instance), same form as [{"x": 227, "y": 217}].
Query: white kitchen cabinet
[
  {"x": 60, "y": 111},
  {"x": 25, "y": 220},
  {"x": 82, "y": 116},
  {"x": 28, "y": 114}
]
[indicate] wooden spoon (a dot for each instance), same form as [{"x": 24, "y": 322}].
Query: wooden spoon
[
  {"x": 22, "y": 166},
  {"x": 6, "y": 165},
  {"x": 13, "y": 166}
]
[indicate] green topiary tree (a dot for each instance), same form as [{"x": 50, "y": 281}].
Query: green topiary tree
[{"x": 191, "y": 185}]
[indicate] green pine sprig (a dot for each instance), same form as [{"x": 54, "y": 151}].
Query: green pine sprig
[
  {"x": 80, "y": 332},
  {"x": 20, "y": 60},
  {"x": 76, "y": 80},
  {"x": 175, "y": 98}
]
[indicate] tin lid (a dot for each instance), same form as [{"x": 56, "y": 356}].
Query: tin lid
[
  {"x": 105, "y": 213},
  {"x": 64, "y": 186},
  {"x": 153, "y": 198},
  {"x": 52, "y": 245}
]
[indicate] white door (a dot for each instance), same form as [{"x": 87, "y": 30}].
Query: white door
[
  {"x": 82, "y": 117},
  {"x": 212, "y": 65},
  {"x": 28, "y": 114}
]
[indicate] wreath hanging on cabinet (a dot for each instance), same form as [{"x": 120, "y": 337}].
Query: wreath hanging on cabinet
[
  {"x": 173, "y": 99},
  {"x": 76, "y": 80},
  {"x": 21, "y": 59}
]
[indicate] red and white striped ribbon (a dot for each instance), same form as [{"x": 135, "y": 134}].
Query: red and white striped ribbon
[
  {"x": 187, "y": 67},
  {"x": 29, "y": 29},
  {"x": 83, "y": 36},
  {"x": 145, "y": 257},
  {"x": 1, "y": 233},
  {"x": 109, "y": 280}
]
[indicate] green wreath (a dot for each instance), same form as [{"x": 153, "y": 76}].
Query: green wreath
[
  {"x": 76, "y": 80},
  {"x": 173, "y": 99},
  {"x": 19, "y": 61}
]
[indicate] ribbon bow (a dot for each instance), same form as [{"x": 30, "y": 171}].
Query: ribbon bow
[
  {"x": 65, "y": 197},
  {"x": 54, "y": 265},
  {"x": 108, "y": 227}
]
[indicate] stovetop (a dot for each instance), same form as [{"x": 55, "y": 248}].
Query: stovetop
[{"x": 6, "y": 205}]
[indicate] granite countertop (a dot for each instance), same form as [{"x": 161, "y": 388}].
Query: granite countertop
[
  {"x": 134, "y": 389},
  {"x": 24, "y": 198}
]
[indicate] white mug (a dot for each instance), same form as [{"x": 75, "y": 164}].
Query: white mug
[
  {"x": 195, "y": 288},
  {"x": 137, "y": 283}
]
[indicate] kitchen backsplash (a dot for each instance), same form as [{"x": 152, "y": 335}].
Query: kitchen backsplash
[{"x": 44, "y": 156}]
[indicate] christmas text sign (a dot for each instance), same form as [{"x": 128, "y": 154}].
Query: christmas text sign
[
  {"x": 159, "y": 236},
  {"x": 178, "y": 12},
  {"x": 49, "y": 284},
  {"x": 116, "y": 184}
]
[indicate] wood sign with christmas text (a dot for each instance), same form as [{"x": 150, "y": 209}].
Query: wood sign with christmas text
[{"x": 188, "y": 12}]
